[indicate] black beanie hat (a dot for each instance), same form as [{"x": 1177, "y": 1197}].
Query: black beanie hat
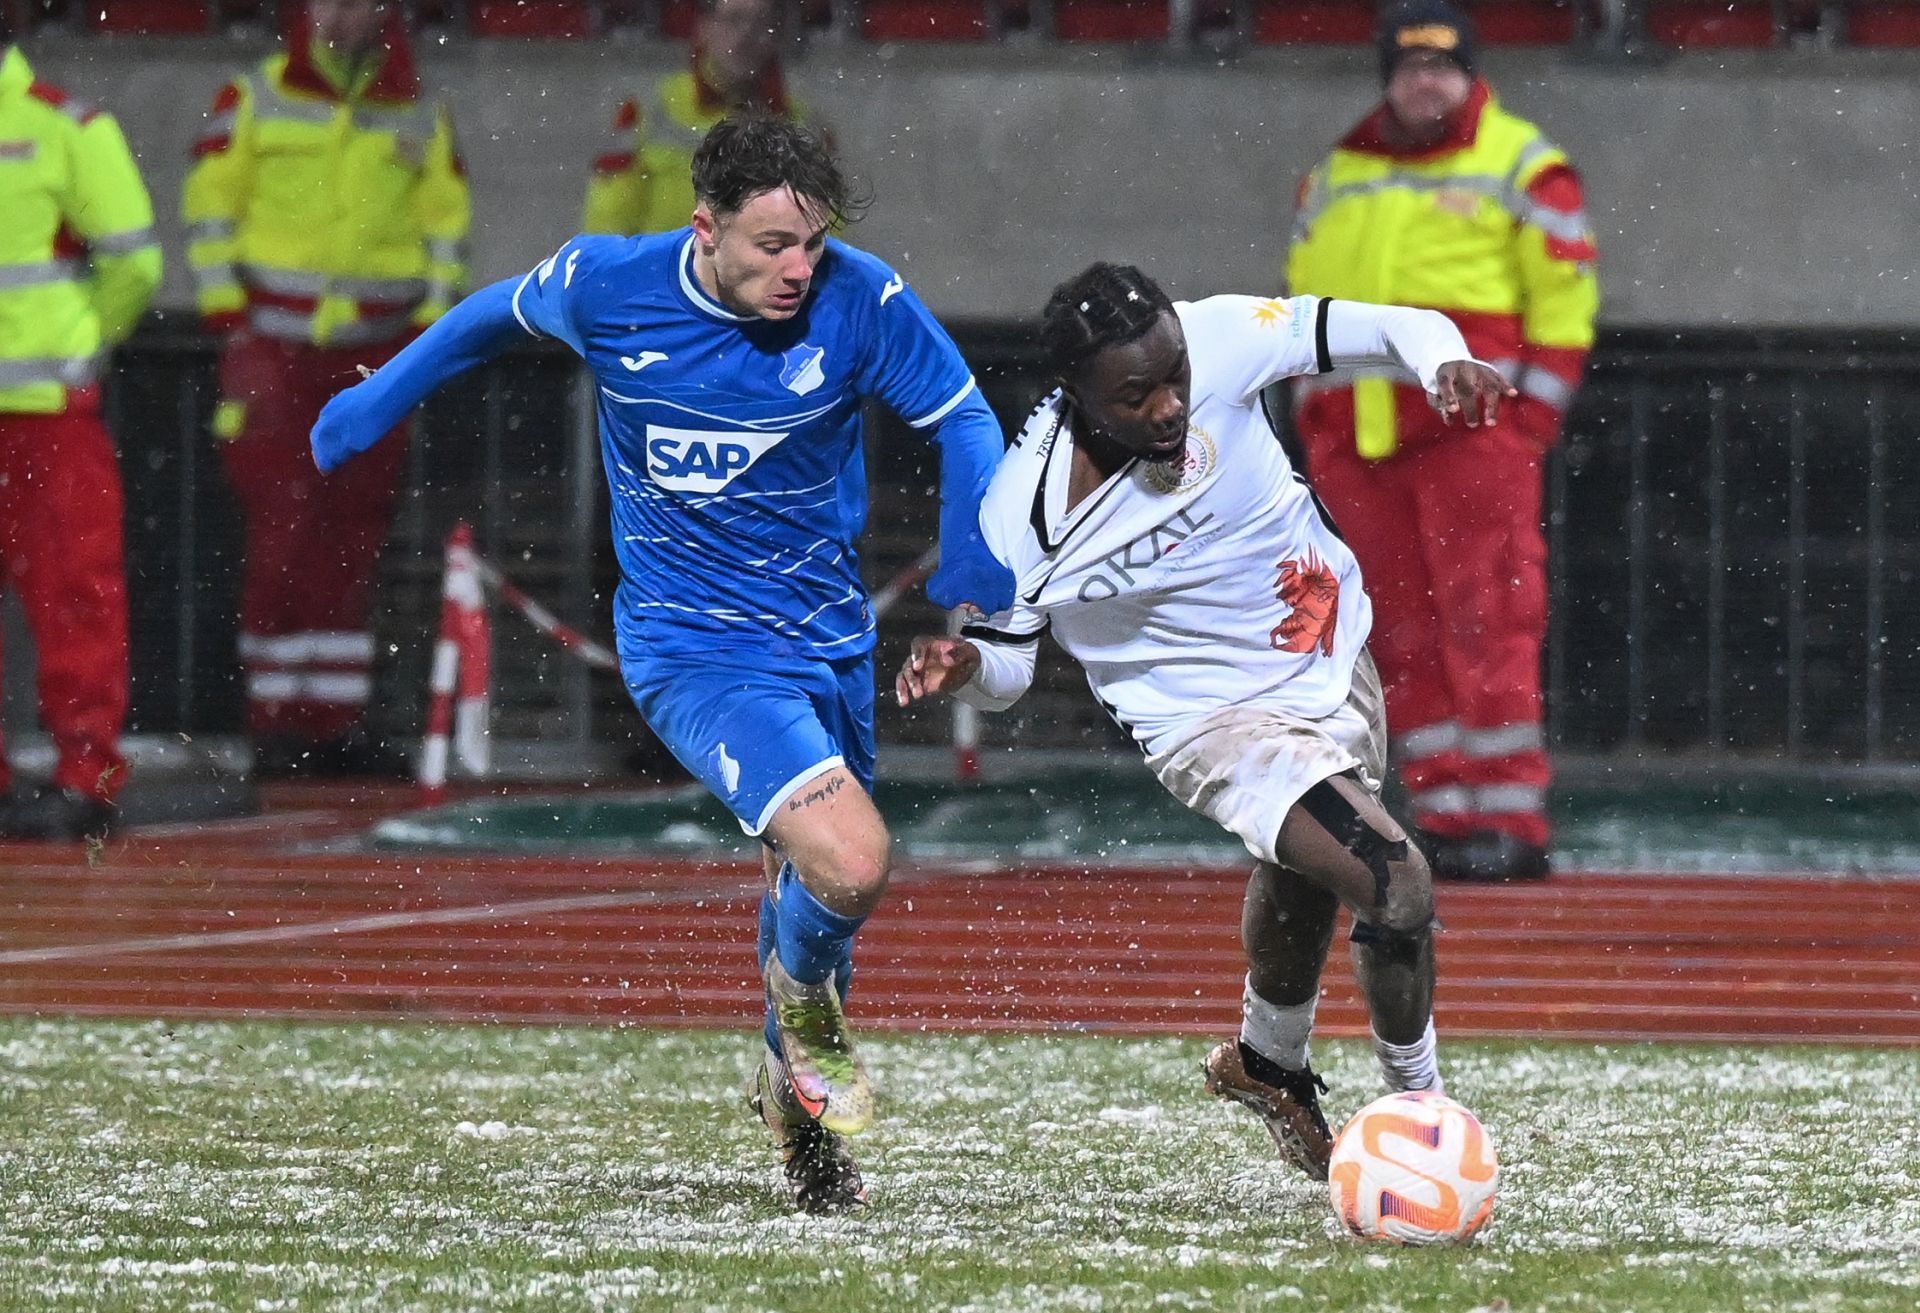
[{"x": 1424, "y": 25}]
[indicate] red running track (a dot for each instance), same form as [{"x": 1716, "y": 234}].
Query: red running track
[{"x": 283, "y": 916}]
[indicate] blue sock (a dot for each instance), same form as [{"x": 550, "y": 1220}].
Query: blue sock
[
  {"x": 813, "y": 942},
  {"x": 769, "y": 921}
]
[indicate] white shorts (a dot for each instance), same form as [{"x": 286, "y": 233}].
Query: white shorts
[{"x": 1245, "y": 767}]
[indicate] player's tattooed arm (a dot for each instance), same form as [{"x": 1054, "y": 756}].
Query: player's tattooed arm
[{"x": 935, "y": 665}]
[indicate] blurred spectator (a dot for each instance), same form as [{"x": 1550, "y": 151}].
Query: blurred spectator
[
  {"x": 1441, "y": 198},
  {"x": 327, "y": 211},
  {"x": 643, "y": 181},
  {"x": 78, "y": 263}
]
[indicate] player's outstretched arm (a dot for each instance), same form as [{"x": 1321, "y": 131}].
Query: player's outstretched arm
[
  {"x": 475, "y": 330},
  {"x": 916, "y": 369},
  {"x": 1425, "y": 342},
  {"x": 970, "y": 449},
  {"x": 990, "y": 676}
]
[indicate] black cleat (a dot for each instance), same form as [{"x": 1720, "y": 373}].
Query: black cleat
[
  {"x": 58, "y": 815},
  {"x": 1289, "y": 1103},
  {"x": 820, "y": 1173}
]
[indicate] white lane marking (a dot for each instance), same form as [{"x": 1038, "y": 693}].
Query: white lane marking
[{"x": 358, "y": 925}]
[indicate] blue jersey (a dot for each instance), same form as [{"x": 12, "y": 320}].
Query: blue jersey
[{"x": 732, "y": 443}]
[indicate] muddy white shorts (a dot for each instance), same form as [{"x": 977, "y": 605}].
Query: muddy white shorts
[{"x": 1245, "y": 767}]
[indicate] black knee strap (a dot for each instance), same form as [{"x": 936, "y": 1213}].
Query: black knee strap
[
  {"x": 1328, "y": 806},
  {"x": 1400, "y": 947}
]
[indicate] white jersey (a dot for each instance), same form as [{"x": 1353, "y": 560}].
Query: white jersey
[{"x": 1183, "y": 588}]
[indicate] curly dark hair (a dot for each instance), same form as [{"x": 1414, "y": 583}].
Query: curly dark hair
[
  {"x": 744, "y": 155},
  {"x": 1103, "y": 305}
]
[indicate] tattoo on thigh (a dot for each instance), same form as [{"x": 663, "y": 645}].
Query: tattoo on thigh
[{"x": 821, "y": 794}]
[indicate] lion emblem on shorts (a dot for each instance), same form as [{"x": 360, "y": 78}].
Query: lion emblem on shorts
[{"x": 1195, "y": 464}]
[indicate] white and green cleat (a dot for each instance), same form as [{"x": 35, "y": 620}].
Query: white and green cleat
[{"x": 827, "y": 1077}]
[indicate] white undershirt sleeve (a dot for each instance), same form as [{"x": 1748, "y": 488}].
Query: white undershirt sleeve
[
  {"x": 1417, "y": 340},
  {"x": 1006, "y": 671}
]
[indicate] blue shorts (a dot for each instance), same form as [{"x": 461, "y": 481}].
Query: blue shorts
[{"x": 753, "y": 731}]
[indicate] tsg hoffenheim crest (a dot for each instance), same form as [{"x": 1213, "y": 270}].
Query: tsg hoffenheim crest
[{"x": 800, "y": 369}]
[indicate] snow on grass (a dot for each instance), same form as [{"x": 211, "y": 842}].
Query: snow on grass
[{"x": 430, "y": 1168}]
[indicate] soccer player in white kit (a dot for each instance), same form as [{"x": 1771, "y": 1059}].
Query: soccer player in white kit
[{"x": 1158, "y": 531}]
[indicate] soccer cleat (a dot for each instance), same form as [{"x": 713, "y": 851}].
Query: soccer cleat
[
  {"x": 820, "y": 1172},
  {"x": 828, "y": 1079},
  {"x": 57, "y": 814},
  {"x": 1291, "y": 1109}
]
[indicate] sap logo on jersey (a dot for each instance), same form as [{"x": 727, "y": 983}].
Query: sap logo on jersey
[{"x": 702, "y": 460}]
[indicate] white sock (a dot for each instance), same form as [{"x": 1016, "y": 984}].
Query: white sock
[
  {"x": 1277, "y": 1033},
  {"x": 1413, "y": 1066}
]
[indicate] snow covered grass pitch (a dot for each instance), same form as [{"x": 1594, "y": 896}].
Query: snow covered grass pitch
[{"x": 283, "y": 1167}]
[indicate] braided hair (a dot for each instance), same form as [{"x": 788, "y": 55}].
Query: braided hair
[{"x": 1104, "y": 305}]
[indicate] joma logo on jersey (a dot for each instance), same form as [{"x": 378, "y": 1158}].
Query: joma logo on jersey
[
  {"x": 701, "y": 460},
  {"x": 1119, "y": 568}
]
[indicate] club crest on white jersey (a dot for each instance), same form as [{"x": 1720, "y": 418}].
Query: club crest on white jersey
[
  {"x": 1195, "y": 464},
  {"x": 702, "y": 460}
]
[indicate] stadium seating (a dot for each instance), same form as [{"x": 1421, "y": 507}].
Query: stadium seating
[
  {"x": 1719, "y": 23},
  {"x": 1313, "y": 22},
  {"x": 1350, "y": 22},
  {"x": 1523, "y": 22},
  {"x": 926, "y": 20},
  {"x": 149, "y": 17},
  {"x": 532, "y": 18},
  {"x": 1871, "y": 24},
  {"x": 1110, "y": 20}
]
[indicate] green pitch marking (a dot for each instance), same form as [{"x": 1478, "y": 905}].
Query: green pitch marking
[
  {"x": 1124, "y": 816},
  {"x": 415, "y": 1169}
]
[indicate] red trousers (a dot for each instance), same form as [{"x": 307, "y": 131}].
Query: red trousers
[
  {"x": 60, "y": 515},
  {"x": 312, "y": 540},
  {"x": 1447, "y": 533}
]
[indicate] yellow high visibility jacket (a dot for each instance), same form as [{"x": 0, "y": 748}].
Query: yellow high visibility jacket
[
  {"x": 79, "y": 259},
  {"x": 642, "y": 180},
  {"x": 1489, "y": 226},
  {"x": 328, "y": 216}
]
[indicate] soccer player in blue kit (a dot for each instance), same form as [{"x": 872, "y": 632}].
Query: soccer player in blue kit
[{"x": 731, "y": 360}]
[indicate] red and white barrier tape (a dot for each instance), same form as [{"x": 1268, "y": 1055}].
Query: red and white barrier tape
[{"x": 457, "y": 708}]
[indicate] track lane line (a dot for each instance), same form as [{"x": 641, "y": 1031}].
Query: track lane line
[{"x": 442, "y": 916}]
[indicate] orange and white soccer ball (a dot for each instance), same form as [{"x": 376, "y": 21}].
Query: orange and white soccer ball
[{"x": 1416, "y": 1169}]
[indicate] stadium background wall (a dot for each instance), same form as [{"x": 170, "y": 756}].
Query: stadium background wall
[
  {"x": 1727, "y": 188},
  {"x": 1729, "y": 548}
]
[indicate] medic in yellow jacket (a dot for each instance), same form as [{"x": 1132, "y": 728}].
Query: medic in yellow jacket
[
  {"x": 78, "y": 256},
  {"x": 1442, "y": 199},
  {"x": 327, "y": 211},
  {"x": 1488, "y": 224},
  {"x": 642, "y": 180},
  {"x": 327, "y": 203},
  {"x": 78, "y": 263}
]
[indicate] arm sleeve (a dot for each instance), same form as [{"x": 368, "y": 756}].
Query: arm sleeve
[
  {"x": 113, "y": 213},
  {"x": 214, "y": 201},
  {"x": 1007, "y": 662},
  {"x": 618, "y": 187},
  {"x": 443, "y": 207},
  {"x": 1556, "y": 256},
  {"x": 477, "y": 329},
  {"x": 1418, "y": 340},
  {"x": 916, "y": 369},
  {"x": 1244, "y": 343}
]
